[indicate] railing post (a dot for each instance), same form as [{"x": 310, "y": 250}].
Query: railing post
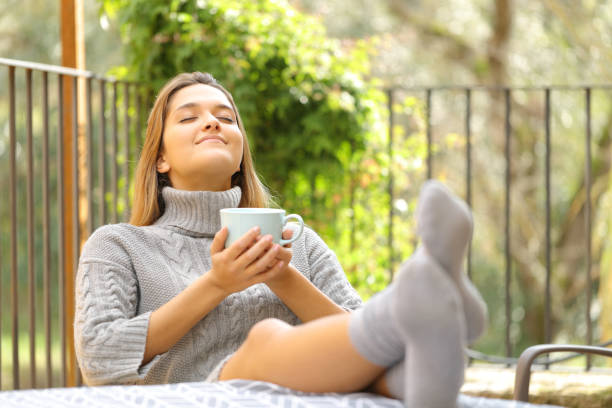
[
  {"x": 391, "y": 181},
  {"x": 114, "y": 151},
  {"x": 46, "y": 229},
  {"x": 102, "y": 154},
  {"x": 508, "y": 132},
  {"x": 13, "y": 200},
  {"x": 61, "y": 235},
  {"x": 547, "y": 299},
  {"x": 428, "y": 131},
  {"x": 68, "y": 138},
  {"x": 89, "y": 154},
  {"x": 468, "y": 166},
  {"x": 126, "y": 149},
  {"x": 30, "y": 227},
  {"x": 73, "y": 55},
  {"x": 70, "y": 281},
  {"x": 587, "y": 221}
]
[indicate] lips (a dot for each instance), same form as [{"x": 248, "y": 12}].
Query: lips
[{"x": 212, "y": 139}]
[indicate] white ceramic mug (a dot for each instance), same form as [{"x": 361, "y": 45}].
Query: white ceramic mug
[{"x": 270, "y": 220}]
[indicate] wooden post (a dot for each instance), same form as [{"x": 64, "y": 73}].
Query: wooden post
[{"x": 73, "y": 56}]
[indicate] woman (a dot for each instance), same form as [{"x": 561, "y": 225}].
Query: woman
[{"x": 162, "y": 300}]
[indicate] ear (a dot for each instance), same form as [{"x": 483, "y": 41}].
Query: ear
[{"x": 162, "y": 165}]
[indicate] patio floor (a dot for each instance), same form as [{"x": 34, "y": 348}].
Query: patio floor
[{"x": 572, "y": 389}]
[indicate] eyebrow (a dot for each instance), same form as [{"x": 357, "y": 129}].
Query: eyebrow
[{"x": 195, "y": 105}]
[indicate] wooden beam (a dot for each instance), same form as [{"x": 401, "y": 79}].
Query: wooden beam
[{"x": 73, "y": 56}]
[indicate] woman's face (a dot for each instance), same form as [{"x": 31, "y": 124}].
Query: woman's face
[{"x": 202, "y": 144}]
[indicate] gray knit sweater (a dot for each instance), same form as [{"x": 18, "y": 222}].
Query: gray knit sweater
[{"x": 126, "y": 272}]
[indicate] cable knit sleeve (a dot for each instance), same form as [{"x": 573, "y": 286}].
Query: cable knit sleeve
[
  {"x": 110, "y": 337},
  {"x": 327, "y": 273}
]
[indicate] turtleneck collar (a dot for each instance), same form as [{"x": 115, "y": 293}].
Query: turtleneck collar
[{"x": 196, "y": 212}]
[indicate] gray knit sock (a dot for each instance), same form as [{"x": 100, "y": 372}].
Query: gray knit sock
[
  {"x": 439, "y": 212},
  {"x": 424, "y": 308},
  {"x": 417, "y": 326},
  {"x": 430, "y": 318},
  {"x": 394, "y": 378},
  {"x": 379, "y": 343}
]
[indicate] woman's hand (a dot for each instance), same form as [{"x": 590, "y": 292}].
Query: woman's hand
[
  {"x": 251, "y": 259},
  {"x": 284, "y": 255}
]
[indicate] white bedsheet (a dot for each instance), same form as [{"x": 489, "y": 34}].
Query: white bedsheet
[{"x": 228, "y": 394}]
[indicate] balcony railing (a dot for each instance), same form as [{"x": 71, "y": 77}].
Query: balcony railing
[
  {"x": 39, "y": 253},
  {"x": 540, "y": 125},
  {"x": 41, "y": 163}
]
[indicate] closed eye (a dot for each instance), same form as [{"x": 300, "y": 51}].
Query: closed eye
[
  {"x": 226, "y": 119},
  {"x": 185, "y": 120}
]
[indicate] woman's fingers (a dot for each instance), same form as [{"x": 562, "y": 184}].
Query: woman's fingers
[
  {"x": 284, "y": 254},
  {"x": 243, "y": 243},
  {"x": 263, "y": 262},
  {"x": 287, "y": 234},
  {"x": 269, "y": 273},
  {"x": 255, "y": 252},
  {"x": 219, "y": 241}
]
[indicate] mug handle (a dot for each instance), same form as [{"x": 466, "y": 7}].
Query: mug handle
[{"x": 284, "y": 242}]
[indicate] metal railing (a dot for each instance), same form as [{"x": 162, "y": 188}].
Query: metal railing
[
  {"x": 41, "y": 266},
  {"x": 108, "y": 115},
  {"x": 425, "y": 94}
]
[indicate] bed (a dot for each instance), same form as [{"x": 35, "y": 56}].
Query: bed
[
  {"x": 228, "y": 394},
  {"x": 254, "y": 394}
]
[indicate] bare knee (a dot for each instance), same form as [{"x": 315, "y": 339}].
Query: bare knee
[
  {"x": 245, "y": 363},
  {"x": 262, "y": 332}
]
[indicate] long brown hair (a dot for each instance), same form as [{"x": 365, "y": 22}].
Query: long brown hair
[{"x": 148, "y": 203}]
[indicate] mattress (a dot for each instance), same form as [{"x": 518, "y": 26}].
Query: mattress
[{"x": 226, "y": 394}]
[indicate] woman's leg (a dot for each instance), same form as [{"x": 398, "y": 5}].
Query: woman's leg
[
  {"x": 323, "y": 356},
  {"x": 438, "y": 212},
  {"x": 317, "y": 356}
]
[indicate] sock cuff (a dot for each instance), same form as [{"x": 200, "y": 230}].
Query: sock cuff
[
  {"x": 394, "y": 379},
  {"x": 373, "y": 334}
]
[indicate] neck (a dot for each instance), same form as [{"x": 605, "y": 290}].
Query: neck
[
  {"x": 209, "y": 181},
  {"x": 196, "y": 211},
  {"x": 208, "y": 185}
]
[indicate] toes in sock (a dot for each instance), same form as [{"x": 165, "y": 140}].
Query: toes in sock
[
  {"x": 444, "y": 224},
  {"x": 445, "y": 227}
]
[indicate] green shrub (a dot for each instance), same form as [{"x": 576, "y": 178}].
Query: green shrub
[{"x": 302, "y": 97}]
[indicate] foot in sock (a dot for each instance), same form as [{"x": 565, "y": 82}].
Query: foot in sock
[
  {"x": 444, "y": 224},
  {"x": 426, "y": 326},
  {"x": 430, "y": 319},
  {"x": 416, "y": 326},
  {"x": 445, "y": 227}
]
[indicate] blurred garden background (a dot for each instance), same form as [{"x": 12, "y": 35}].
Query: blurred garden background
[{"x": 315, "y": 82}]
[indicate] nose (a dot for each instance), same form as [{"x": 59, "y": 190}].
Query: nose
[{"x": 211, "y": 123}]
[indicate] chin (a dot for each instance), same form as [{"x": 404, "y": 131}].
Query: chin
[
  {"x": 218, "y": 169},
  {"x": 217, "y": 158}
]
